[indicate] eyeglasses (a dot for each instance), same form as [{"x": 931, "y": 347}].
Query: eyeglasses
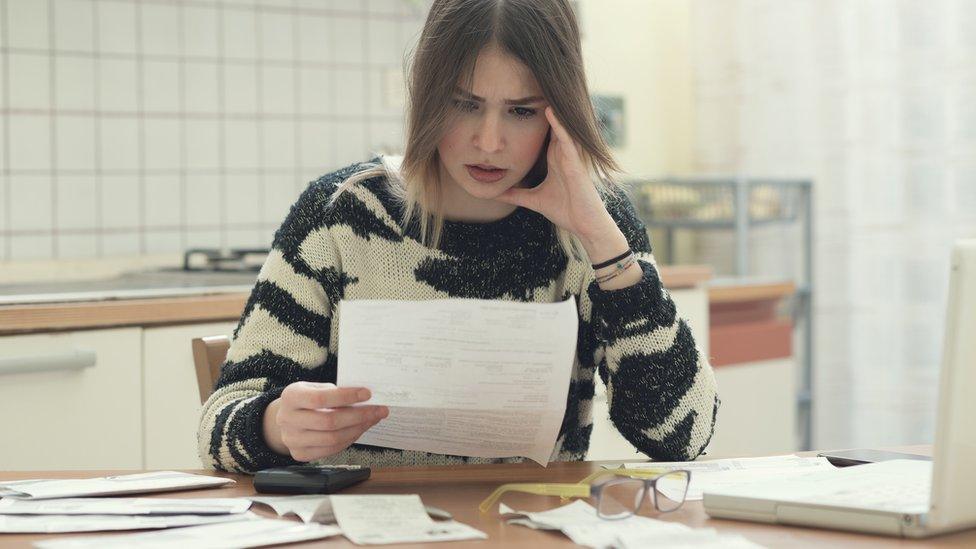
[{"x": 616, "y": 498}]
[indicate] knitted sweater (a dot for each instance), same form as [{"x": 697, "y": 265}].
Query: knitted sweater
[{"x": 660, "y": 389}]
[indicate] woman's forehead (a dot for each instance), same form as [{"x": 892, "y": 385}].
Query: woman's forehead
[{"x": 498, "y": 76}]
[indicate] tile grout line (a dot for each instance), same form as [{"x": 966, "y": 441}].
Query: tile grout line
[
  {"x": 259, "y": 107},
  {"x": 53, "y": 179},
  {"x": 141, "y": 125},
  {"x": 222, "y": 130},
  {"x": 5, "y": 83},
  {"x": 183, "y": 152},
  {"x": 97, "y": 129}
]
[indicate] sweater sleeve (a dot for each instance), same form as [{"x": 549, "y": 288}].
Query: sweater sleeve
[
  {"x": 282, "y": 337},
  {"x": 661, "y": 390}
]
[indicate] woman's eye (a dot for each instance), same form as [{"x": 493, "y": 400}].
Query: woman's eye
[{"x": 523, "y": 112}]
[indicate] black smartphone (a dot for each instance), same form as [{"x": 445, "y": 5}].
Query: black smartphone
[
  {"x": 860, "y": 456},
  {"x": 308, "y": 479}
]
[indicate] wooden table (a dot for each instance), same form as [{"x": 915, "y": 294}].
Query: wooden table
[{"x": 460, "y": 490}]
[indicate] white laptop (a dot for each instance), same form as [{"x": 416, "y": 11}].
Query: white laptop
[{"x": 901, "y": 497}]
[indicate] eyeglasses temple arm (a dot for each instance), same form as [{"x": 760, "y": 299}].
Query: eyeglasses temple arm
[{"x": 541, "y": 489}]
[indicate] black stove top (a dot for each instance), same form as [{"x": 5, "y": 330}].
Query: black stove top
[{"x": 224, "y": 260}]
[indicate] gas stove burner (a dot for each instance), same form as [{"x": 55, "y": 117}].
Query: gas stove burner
[{"x": 232, "y": 259}]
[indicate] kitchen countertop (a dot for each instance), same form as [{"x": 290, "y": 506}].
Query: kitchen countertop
[
  {"x": 129, "y": 285},
  {"x": 160, "y": 297}
]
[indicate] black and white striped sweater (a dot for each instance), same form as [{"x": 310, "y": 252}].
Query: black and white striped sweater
[{"x": 661, "y": 390}]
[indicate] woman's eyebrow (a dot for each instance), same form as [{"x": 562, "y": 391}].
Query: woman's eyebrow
[{"x": 522, "y": 101}]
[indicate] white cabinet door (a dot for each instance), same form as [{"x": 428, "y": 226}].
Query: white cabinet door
[
  {"x": 71, "y": 400},
  {"x": 606, "y": 442},
  {"x": 172, "y": 401},
  {"x": 758, "y": 413}
]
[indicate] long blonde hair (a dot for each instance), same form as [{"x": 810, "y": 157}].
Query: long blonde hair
[{"x": 543, "y": 35}]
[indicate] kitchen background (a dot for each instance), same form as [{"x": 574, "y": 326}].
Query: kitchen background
[{"x": 133, "y": 131}]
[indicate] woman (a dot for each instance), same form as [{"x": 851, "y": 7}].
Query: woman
[{"x": 505, "y": 191}]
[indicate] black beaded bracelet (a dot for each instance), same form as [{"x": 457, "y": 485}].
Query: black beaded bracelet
[{"x": 609, "y": 262}]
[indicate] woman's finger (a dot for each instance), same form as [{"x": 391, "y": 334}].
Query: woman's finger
[
  {"x": 559, "y": 130},
  {"x": 329, "y": 439},
  {"x": 331, "y": 420}
]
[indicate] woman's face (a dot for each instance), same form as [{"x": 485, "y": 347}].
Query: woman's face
[{"x": 500, "y": 122}]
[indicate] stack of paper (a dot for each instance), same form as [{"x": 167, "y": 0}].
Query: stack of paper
[
  {"x": 139, "y": 483},
  {"x": 580, "y": 522},
  {"x": 256, "y": 532},
  {"x": 57, "y": 524},
  {"x": 43, "y": 505},
  {"x": 708, "y": 475}
]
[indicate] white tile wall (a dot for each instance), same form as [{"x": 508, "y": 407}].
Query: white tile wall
[
  {"x": 31, "y": 247},
  {"x": 163, "y": 201},
  {"x": 120, "y": 203},
  {"x": 119, "y": 143},
  {"x": 77, "y": 203},
  {"x": 277, "y": 89},
  {"x": 77, "y": 246},
  {"x": 30, "y": 142},
  {"x": 116, "y": 27},
  {"x": 277, "y": 36},
  {"x": 32, "y": 29},
  {"x": 76, "y": 143},
  {"x": 278, "y": 149},
  {"x": 30, "y": 81},
  {"x": 162, "y": 136},
  {"x": 32, "y": 195},
  {"x": 74, "y": 22},
  {"x": 140, "y": 126},
  {"x": 161, "y": 86},
  {"x": 239, "y": 27},
  {"x": 200, "y": 31},
  {"x": 200, "y": 87},
  {"x": 159, "y": 26},
  {"x": 117, "y": 84},
  {"x": 319, "y": 88},
  {"x": 203, "y": 201},
  {"x": 202, "y": 141}
]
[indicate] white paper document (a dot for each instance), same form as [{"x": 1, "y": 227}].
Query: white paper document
[
  {"x": 124, "y": 506},
  {"x": 8, "y": 488},
  {"x": 462, "y": 376},
  {"x": 718, "y": 473},
  {"x": 306, "y": 508},
  {"x": 139, "y": 483},
  {"x": 580, "y": 523},
  {"x": 251, "y": 533},
  {"x": 578, "y": 516},
  {"x": 53, "y": 524},
  {"x": 379, "y": 519}
]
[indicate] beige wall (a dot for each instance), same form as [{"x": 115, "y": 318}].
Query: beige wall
[{"x": 640, "y": 49}]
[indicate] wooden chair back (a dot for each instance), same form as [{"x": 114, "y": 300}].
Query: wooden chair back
[{"x": 208, "y": 354}]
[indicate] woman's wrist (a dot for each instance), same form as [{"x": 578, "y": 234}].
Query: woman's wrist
[
  {"x": 605, "y": 244},
  {"x": 272, "y": 434}
]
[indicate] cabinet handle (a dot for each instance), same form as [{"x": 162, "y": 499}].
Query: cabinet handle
[{"x": 77, "y": 359}]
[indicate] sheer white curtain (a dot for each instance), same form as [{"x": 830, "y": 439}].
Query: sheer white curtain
[{"x": 875, "y": 100}]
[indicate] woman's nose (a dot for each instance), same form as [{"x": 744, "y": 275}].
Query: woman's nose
[{"x": 488, "y": 136}]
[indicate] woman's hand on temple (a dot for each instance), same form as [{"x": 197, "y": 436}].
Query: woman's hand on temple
[
  {"x": 310, "y": 421},
  {"x": 567, "y": 196}
]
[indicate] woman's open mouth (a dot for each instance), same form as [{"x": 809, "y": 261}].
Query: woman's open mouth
[{"x": 485, "y": 173}]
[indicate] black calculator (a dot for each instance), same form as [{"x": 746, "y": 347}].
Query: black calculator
[{"x": 308, "y": 479}]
